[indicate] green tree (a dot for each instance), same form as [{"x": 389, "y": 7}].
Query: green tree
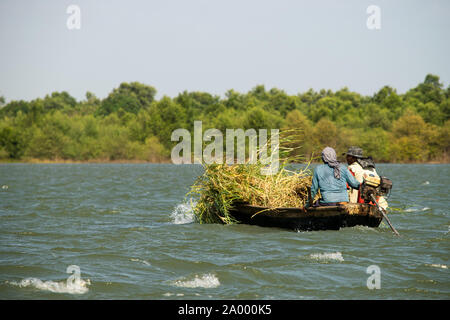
[
  {"x": 59, "y": 101},
  {"x": 430, "y": 90},
  {"x": 281, "y": 102},
  {"x": 445, "y": 109},
  {"x": 197, "y": 105},
  {"x": 376, "y": 143},
  {"x": 376, "y": 117},
  {"x": 166, "y": 116},
  {"x": 431, "y": 113},
  {"x": 325, "y": 135},
  {"x": 295, "y": 120},
  {"x": 131, "y": 97},
  {"x": 11, "y": 142},
  {"x": 324, "y": 108},
  {"x": 414, "y": 140},
  {"x": 13, "y": 107},
  {"x": 258, "y": 118}
]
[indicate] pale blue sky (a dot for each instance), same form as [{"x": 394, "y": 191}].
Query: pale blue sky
[{"x": 216, "y": 45}]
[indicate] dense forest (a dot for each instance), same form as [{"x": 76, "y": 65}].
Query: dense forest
[{"x": 130, "y": 124}]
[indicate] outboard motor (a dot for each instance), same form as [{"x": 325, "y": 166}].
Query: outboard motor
[{"x": 376, "y": 187}]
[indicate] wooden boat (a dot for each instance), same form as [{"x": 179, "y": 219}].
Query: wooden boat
[{"x": 314, "y": 218}]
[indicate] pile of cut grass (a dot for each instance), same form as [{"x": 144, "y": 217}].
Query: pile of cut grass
[{"x": 223, "y": 185}]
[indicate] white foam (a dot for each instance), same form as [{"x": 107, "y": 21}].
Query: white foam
[
  {"x": 442, "y": 266},
  {"x": 78, "y": 286},
  {"x": 416, "y": 209},
  {"x": 142, "y": 261},
  {"x": 336, "y": 256},
  {"x": 183, "y": 213},
  {"x": 205, "y": 281}
]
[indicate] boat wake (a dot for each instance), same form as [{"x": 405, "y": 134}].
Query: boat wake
[{"x": 183, "y": 213}]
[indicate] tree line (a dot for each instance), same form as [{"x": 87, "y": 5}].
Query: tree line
[{"x": 130, "y": 124}]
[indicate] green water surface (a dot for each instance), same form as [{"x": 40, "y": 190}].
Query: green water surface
[{"x": 128, "y": 229}]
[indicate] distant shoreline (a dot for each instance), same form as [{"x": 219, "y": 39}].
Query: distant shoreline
[
  {"x": 47, "y": 161},
  {"x": 61, "y": 161}
]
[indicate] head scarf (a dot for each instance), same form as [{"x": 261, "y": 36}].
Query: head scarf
[{"x": 329, "y": 157}]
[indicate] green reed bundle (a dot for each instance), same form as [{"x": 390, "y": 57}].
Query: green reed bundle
[{"x": 222, "y": 185}]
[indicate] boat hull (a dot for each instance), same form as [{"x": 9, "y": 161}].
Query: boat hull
[{"x": 316, "y": 218}]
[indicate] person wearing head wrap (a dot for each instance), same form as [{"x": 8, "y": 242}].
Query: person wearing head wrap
[
  {"x": 331, "y": 179},
  {"x": 329, "y": 157}
]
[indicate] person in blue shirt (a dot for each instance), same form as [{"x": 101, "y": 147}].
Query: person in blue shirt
[{"x": 331, "y": 178}]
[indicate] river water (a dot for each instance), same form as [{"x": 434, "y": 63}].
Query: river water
[{"x": 128, "y": 230}]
